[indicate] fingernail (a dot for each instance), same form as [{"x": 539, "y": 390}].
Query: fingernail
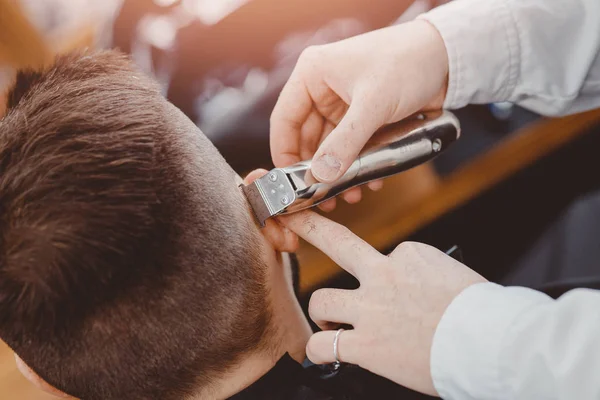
[{"x": 326, "y": 168}]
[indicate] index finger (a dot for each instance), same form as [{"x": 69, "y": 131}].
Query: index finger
[
  {"x": 291, "y": 111},
  {"x": 341, "y": 245}
]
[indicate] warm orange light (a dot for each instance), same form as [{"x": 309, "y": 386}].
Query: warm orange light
[{"x": 209, "y": 11}]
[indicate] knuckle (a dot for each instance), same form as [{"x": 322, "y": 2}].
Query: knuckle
[
  {"x": 309, "y": 224},
  {"x": 342, "y": 233},
  {"x": 311, "y": 52},
  {"x": 405, "y": 248},
  {"x": 310, "y": 57},
  {"x": 317, "y": 301}
]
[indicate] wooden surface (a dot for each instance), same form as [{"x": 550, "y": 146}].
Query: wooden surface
[{"x": 386, "y": 218}]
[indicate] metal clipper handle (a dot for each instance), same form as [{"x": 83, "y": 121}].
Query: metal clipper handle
[
  {"x": 394, "y": 149},
  {"x": 400, "y": 147}
]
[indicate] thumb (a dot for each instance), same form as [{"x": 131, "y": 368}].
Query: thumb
[{"x": 341, "y": 147}]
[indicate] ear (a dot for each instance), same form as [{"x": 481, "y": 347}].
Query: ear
[
  {"x": 280, "y": 237},
  {"x": 36, "y": 380}
]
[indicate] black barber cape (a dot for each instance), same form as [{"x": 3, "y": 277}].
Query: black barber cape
[{"x": 289, "y": 380}]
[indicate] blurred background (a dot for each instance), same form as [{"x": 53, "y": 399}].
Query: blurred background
[{"x": 223, "y": 63}]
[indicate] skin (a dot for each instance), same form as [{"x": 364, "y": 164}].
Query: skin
[
  {"x": 339, "y": 95},
  {"x": 394, "y": 312}
]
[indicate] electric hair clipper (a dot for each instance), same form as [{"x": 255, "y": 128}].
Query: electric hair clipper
[{"x": 393, "y": 149}]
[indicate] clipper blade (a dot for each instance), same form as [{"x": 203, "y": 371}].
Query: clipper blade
[
  {"x": 257, "y": 202},
  {"x": 270, "y": 195},
  {"x": 394, "y": 149}
]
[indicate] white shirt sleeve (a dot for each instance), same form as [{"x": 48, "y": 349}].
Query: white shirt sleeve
[
  {"x": 541, "y": 54},
  {"x": 504, "y": 343}
]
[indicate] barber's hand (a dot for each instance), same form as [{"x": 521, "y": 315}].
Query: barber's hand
[
  {"x": 340, "y": 94},
  {"x": 394, "y": 312}
]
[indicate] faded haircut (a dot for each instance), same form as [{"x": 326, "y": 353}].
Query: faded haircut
[{"x": 128, "y": 266}]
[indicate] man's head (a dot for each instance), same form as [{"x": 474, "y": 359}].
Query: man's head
[{"x": 130, "y": 267}]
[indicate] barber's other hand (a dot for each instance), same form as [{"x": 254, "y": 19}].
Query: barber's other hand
[
  {"x": 341, "y": 93},
  {"x": 394, "y": 312}
]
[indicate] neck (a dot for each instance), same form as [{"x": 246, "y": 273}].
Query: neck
[
  {"x": 291, "y": 334},
  {"x": 294, "y": 330}
]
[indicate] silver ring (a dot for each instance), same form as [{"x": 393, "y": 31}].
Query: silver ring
[{"x": 337, "y": 362}]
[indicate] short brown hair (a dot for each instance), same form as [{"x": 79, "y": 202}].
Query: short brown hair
[{"x": 128, "y": 266}]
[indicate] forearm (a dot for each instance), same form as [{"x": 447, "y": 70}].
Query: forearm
[
  {"x": 541, "y": 54},
  {"x": 499, "y": 343}
]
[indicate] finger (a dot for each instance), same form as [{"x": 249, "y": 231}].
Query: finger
[
  {"x": 330, "y": 307},
  {"x": 291, "y": 111},
  {"x": 310, "y": 134},
  {"x": 340, "y": 148},
  {"x": 328, "y": 127},
  {"x": 254, "y": 175},
  {"x": 335, "y": 112},
  {"x": 319, "y": 348},
  {"x": 376, "y": 185},
  {"x": 336, "y": 241},
  {"x": 282, "y": 238},
  {"x": 353, "y": 195},
  {"x": 328, "y": 206}
]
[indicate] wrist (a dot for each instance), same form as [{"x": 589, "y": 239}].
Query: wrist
[{"x": 442, "y": 60}]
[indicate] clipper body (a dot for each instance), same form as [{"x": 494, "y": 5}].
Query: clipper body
[{"x": 394, "y": 149}]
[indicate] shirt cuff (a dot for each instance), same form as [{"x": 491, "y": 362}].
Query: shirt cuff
[
  {"x": 467, "y": 345},
  {"x": 483, "y": 48}
]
